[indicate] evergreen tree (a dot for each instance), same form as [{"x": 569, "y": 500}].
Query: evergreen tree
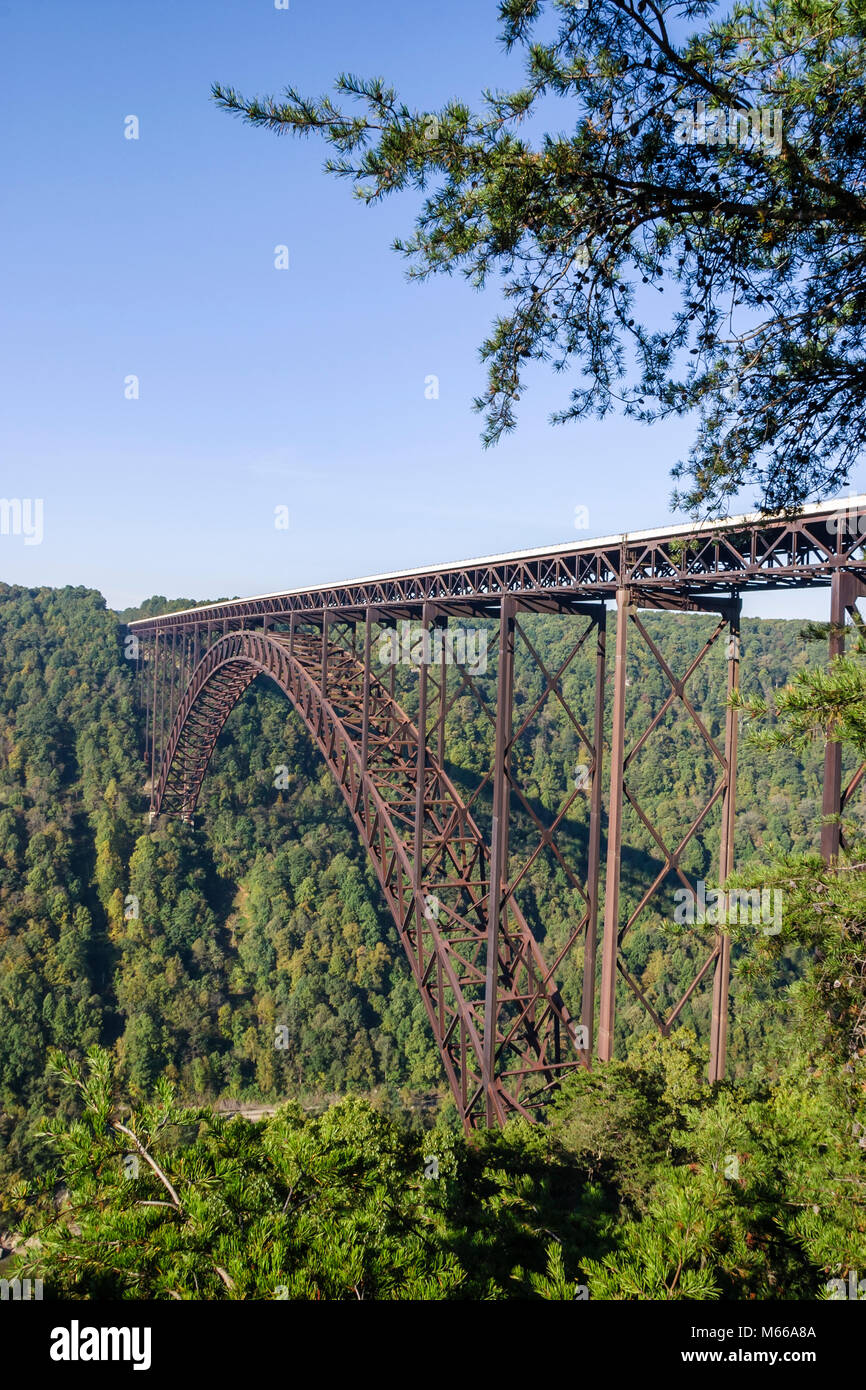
[{"x": 709, "y": 154}]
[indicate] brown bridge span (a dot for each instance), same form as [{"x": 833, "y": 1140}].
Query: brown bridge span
[{"x": 451, "y": 883}]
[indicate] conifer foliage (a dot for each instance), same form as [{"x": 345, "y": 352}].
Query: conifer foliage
[{"x": 672, "y": 205}]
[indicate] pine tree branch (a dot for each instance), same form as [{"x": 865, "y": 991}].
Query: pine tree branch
[{"x": 151, "y": 1162}]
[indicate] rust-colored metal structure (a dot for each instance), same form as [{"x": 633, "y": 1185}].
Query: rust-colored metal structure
[{"x": 450, "y": 867}]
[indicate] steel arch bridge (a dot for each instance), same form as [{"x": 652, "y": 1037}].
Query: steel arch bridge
[{"x": 450, "y": 868}]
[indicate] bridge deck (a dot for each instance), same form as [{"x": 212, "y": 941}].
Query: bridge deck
[{"x": 673, "y": 567}]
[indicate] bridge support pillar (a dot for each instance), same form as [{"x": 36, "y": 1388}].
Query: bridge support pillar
[
  {"x": 845, "y": 589},
  {"x": 365, "y": 716},
  {"x": 498, "y": 846},
  {"x": 154, "y": 717},
  {"x": 590, "y": 951},
  {"x": 324, "y": 672},
  {"x": 610, "y": 941},
  {"x": 421, "y": 797},
  {"x": 722, "y": 968},
  {"x": 145, "y": 688},
  {"x": 171, "y": 652}
]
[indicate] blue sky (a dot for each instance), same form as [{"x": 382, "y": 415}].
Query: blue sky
[{"x": 259, "y": 388}]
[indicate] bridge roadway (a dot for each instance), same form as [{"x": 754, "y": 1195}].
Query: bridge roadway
[{"x": 670, "y": 567}]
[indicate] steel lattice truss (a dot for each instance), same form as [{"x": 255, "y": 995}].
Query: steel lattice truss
[
  {"x": 430, "y": 857},
  {"x": 452, "y": 870}
]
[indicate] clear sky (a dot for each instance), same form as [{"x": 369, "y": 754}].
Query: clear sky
[{"x": 259, "y": 388}]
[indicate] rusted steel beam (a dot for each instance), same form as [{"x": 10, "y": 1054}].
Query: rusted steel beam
[
  {"x": 176, "y": 668},
  {"x": 323, "y": 676},
  {"x": 154, "y": 706},
  {"x": 610, "y": 939},
  {"x": 421, "y": 806},
  {"x": 722, "y": 967},
  {"x": 145, "y": 676},
  {"x": 498, "y": 847},
  {"x": 590, "y": 952},
  {"x": 365, "y": 696},
  {"x": 832, "y": 798},
  {"x": 845, "y": 589}
]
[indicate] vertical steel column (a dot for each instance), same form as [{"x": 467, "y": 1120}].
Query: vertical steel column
[
  {"x": 145, "y": 650},
  {"x": 173, "y": 677},
  {"x": 155, "y": 707},
  {"x": 610, "y": 944},
  {"x": 420, "y": 787},
  {"x": 441, "y": 624},
  {"x": 365, "y": 726},
  {"x": 165, "y": 698},
  {"x": 292, "y": 633},
  {"x": 722, "y": 969},
  {"x": 324, "y": 676},
  {"x": 185, "y": 675},
  {"x": 590, "y": 950},
  {"x": 443, "y": 689},
  {"x": 831, "y": 835},
  {"x": 498, "y": 847}
]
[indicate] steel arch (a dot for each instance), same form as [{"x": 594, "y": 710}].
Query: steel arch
[{"x": 428, "y": 852}]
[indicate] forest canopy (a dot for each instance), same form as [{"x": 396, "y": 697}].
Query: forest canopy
[{"x": 122, "y": 1030}]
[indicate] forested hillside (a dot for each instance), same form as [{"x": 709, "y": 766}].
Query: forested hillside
[{"x": 267, "y": 913}]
